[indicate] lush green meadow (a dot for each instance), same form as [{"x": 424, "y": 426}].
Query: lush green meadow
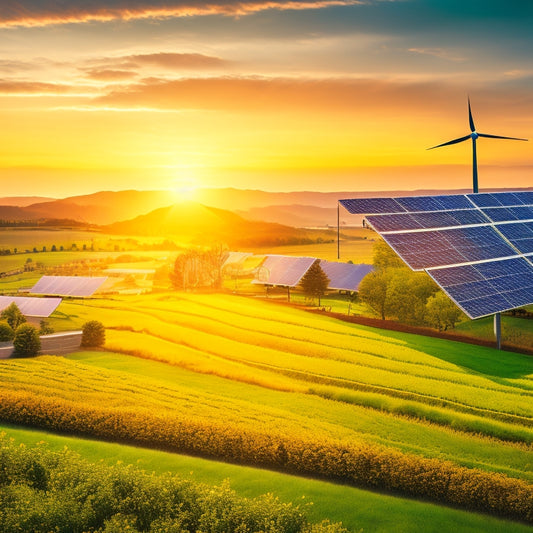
[
  {"x": 283, "y": 380},
  {"x": 355, "y": 508}
]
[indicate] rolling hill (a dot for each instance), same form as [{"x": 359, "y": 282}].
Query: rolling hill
[{"x": 201, "y": 224}]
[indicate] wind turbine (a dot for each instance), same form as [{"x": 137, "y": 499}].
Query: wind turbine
[{"x": 474, "y": 136}]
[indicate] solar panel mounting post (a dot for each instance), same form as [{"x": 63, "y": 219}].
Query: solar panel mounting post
[
  {"x": 338, "y": 231},
  {"x": 498, "y": 329}
]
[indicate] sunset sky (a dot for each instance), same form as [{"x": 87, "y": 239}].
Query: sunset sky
[{"x": 304, "y": 95}]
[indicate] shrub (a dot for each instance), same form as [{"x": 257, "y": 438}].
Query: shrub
[
  {"x": 12, "y": 315},
  {"x": 26, "y": 341},
  {"x": 93, "y": 334},
  {"x": 45, "y": 328},
  {"x": 6, "y": 332}
]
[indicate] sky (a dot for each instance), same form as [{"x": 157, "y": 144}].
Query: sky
[{"x": 324, "y": 95}]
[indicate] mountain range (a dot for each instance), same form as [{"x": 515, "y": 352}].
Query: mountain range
[{"x": 298, "y": 209}]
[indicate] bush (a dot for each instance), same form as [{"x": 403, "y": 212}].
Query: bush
[
  {"x": 45, "y": 328},
  {"x": 6, "y": 332},
  {"x": 12, "y": 315},
  {"x": 93, "y": 334},
  {"x": 26, "y": 341}
]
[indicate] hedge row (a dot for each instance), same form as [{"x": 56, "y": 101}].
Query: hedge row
[
  {"x": 355, "y": 463},
  {"x": 43, "y": 491}
]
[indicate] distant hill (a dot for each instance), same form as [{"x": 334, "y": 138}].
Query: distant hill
[
  {"x": 299, "y": 216},
  {"x": 300, "y": 209},
  {"x": 201, "y": 224},
  {"x": 23, "y": 201}
]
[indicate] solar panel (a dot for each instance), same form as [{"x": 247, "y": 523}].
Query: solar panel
[
  {"x": 68, "y": 285},
  {"x": 38, "y": 307},
  {"x": 487, "y": 288},
  {"x": 430, "y": 249},
  {"x": 345, "y": 276},
  {"x": 283, "y": 270},
  {"x": 477, "y": 247}
]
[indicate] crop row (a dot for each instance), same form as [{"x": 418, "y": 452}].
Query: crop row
[
  {"x": 44, "y": 491},
  {"x": 234, "y": 343},
  {"x": 347, "y": 461}
]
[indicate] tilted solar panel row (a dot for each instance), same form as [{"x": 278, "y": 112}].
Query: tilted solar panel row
[
  {"x": 487, "y": 288},
  {"x": 414, "y": 204},
  {"x": 429, "y": 249},
  {"x": 438, "y": 219}
]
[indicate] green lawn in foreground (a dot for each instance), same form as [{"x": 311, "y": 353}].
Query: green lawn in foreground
[{"x": 357, "y": 509}]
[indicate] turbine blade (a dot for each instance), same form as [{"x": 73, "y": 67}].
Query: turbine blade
[
  {"x": 470, "y": 118},
  {"x": 500, "y": 137},
  {"x": 455, "y": 141}
]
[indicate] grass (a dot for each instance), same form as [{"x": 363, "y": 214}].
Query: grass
[{"x": 357, "y": 509}]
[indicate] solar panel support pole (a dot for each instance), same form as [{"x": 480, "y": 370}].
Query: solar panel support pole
[
  {"x": 338, "y": 232},
  {"x": 498, "y": 330}
]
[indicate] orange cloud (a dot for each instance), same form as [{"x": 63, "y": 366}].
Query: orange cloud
[
  {"x": 28, "y": 13},
  {"x": 12, "y": 87},
  {"x": 109, "y": 74}
]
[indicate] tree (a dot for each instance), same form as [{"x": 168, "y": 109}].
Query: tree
[
  {"x": 441, "y": 312},
  {"x": 315, "y": 282},
  {"x": 407, "y": 294},
  {"x": 26, "y": 341},
  {"x": 385, "y": 257},
  {"x": 373, "y": 291},
  {"x": 196, "y": 268},
  {"x": 93, "y": 334},
  {"x": 6, "y": 332},
  {"x": 12, "y": 315},
  {"x": 45, "y": 328}
]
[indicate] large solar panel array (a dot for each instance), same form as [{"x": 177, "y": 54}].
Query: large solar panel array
[
  {"x": 345, "y": 276},
  {"x": 38, "y": 307},
  {"x": 68, "y": 285},
  {"x": 287, "y": 271},
  {"x": 478, "y": 247}
]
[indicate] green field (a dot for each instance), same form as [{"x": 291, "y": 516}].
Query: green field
[
  {"x": 355, "y": 508},
  {"x": 272, "y": 372}
]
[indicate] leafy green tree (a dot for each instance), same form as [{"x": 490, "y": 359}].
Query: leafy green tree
[
  {"x": 6, "y": 332},
  {"x": 441, "y": 312},
  {"x": 407, "y": 294},
  {"x": 385, "y": 257},
  {"x": 314, "y": 282},
  {"x": 26, "y": 341},
  {"x": 373, "y": 291},
  {"x": 13, "y": 316},
  {"x": 93, "y": 334}
]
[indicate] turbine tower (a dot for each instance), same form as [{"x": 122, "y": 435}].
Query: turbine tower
[{"x": 474, "y": 136}]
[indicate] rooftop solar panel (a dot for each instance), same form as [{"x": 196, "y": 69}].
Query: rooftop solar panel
[
  {"x": 283, "y": 270},
  {"x": 38, "y": 307},
  {"x": 345, "y": 276},
  {"x": 68, "y": 285}
]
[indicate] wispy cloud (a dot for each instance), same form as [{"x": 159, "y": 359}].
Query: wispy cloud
[
  {"x": 36, "y": 88},
  {"x": 441, "y": 53},
  {"x": 30, "y": 13},
  {"x": 109, "y": 75}
]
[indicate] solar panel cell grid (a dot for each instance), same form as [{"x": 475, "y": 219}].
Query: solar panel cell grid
[
  {"x": 369, "y": 206},
  {"x": 419, "y": 203}
]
